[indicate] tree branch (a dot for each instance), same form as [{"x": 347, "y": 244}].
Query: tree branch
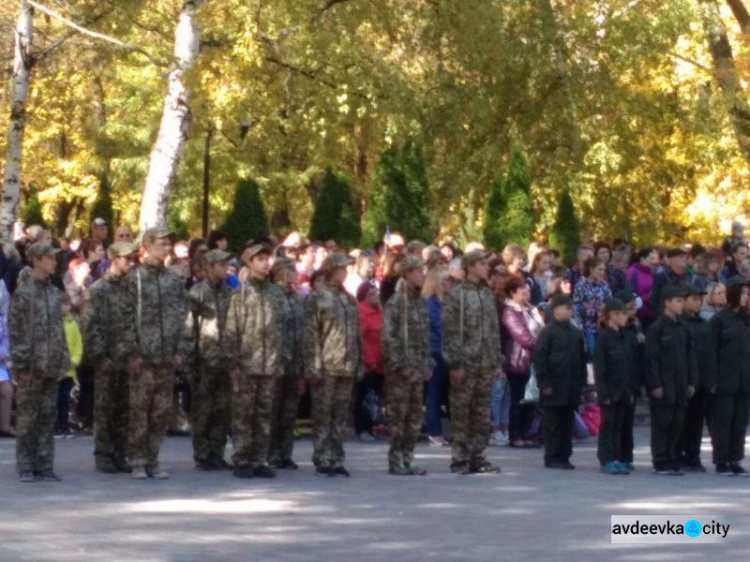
[
  {"x": 94, "y": 34},
  {"x": 52, "y": 47},
  {"x": 740, "y": 14},
  {"x": 696, "y": 64}
]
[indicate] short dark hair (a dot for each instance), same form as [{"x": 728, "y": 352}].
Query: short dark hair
[
  {"x": 590, "y": 264},
  {"x": 737, "y": 244},
  {"x": 214, "y": 237},
  {"x": 514, "y": 284}
]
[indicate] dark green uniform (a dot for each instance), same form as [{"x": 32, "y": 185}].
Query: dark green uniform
[
  {"x": 287, "y": 393},
  {"x": 698, "y": 406},
  {"x": 613, "y": 369},
  {"x": 671, "y": 366},
  {"x": 104, "y": 321},
  {"x": 40, "y": 353},
  {"x": 208, "y": 361},
  {"x": 730, "y": 337},
  {"x": 560, "y": 363}
]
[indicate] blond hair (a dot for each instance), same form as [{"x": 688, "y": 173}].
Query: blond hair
[{"x": 433, "y": 283}]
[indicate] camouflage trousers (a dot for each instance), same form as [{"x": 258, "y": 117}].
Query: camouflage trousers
[
  {"x": 252, "y": 406},
  {"x": 210, "y": 413},
  {"x": 111, "y": 398},
  {"x": 470, "y": 415},
  {"x": 35, "y": 424},
  {"x": 285, "y": 408},
  {"x": 404, "y": 406},
  {"x": 331, "y": 402},
  {"x": 150, "y": 410}
]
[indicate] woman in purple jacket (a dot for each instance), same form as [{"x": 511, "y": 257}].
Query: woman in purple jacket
[
  {"x": 521, "y": 324},
  {"x": 641, "y": 280}
]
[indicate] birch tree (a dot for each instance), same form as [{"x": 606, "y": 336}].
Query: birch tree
[
  {"x": 175, "y": 121},
  {"x": 22, "y": 63}
]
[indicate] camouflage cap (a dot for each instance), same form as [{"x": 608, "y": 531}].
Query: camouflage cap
[
  {"x": 280, "y": 264},
  {"x": 121, "y": 250},
  {"x": 409, "y": 263},
  {"x": 252, "y": 249},
  {"x": 215, "y": 256},
  {"x": 39, "y": 249},
  {"x": 334, "y": 261},
  {"x": 473, "y": 257},
  {"x": 154, "y": 233}
]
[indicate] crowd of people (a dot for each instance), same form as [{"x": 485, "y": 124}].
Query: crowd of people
[{"x": 507, "y": 343}]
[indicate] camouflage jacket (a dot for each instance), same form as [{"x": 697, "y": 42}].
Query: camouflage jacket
[
  {"x": 35, "y": 326},
  {"x": 405, "y": 334},
  {"x": 256, "y": 329},
  {"x": 205, "y": 327},
  {"x": 155, "y": 309},
  {"x": 293, "y": 333},
  {"x": 331, "y": 342},
  {"x": 104, "y": 321},
  {"x": 471, "y": 332}
]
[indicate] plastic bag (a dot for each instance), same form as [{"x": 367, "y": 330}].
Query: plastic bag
[
  {"x": 373, "y": 406},
  {"x": 580, "y": 429},
  {"x": 531, "y": 393},
  {"x": 592, "y": 416}
]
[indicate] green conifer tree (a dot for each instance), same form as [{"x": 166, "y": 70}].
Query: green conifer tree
[
  {"x": 334, "y": 216},
  {"x": 248, "y": 219}
]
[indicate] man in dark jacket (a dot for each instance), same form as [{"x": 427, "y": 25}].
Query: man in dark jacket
[
  {"x": 671, "y": 377},
  {"x": 697, "y": 409},
  {"x": 560, "y": 363},
  {"x": 674, "y": 274}
]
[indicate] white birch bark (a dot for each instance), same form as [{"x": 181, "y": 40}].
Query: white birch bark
[
  {"x": 22, "y": 63},
  {"x": 175, "y": 122}
]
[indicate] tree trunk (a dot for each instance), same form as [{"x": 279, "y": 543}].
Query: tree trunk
[
  {"x": 207, "y": 177},
  {"x": 175, "y": 122},
  {"x": 22, "y": 64},
  {"x": 740, "y": 14},
  {"x": 725, "y": 73}
]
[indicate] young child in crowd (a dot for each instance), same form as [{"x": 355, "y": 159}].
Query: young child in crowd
[
  {"x": 560, "y": 363},
  {"x": 66, "y": 385},
  {"x": 612, "y": 368}
]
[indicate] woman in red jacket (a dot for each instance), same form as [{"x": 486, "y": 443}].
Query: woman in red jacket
[
  {"x": 369, "y": 391},
  {"x": 520, "y": 324}
]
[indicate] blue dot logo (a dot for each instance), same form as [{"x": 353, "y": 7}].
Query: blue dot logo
[{"x": 693, "y": 528}]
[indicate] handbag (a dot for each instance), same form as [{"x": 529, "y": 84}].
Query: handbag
[{"x": 531, "y": 392}]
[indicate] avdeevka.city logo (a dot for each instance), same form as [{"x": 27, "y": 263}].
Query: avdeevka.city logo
[
  {"x": 693, "y": 528},
  {"x": 667, "y": 528}
]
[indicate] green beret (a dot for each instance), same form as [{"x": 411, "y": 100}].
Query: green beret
[
  {"x": 39, "y": 249},
  {"x": 155, "y": 233},
  {"x": 335, "y": 261},
  {"x": 121, "y": 250},
  {"x": 253, "y": 249},
  {"x": 409, "y": 263},
  {"x": 473, "y": 257},
  {"x": 215, "y": 256}
]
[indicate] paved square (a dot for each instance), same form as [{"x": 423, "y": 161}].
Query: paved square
[{"x": 526, "y": 513}]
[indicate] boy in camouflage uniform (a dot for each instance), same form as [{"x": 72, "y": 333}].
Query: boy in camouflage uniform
[
  {"x": 405, "y": 338},
  {"x": 155, "y": 308},
  {"x": 286, "y": 394},
  {"x": 40, "y": 358},
  {"x": 208, "y": 362},
  {"x": 332, "y": 358},
  {"x": 471, "y": 346},
  {"x": 104, "y": 321},
  {"x": 260, "y": 354}
]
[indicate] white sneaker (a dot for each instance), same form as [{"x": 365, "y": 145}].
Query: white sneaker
[
  {"x": 159, "y": 474},
  {"x": 139, "y": 473},
  {"x": 500, "y": 438}
]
